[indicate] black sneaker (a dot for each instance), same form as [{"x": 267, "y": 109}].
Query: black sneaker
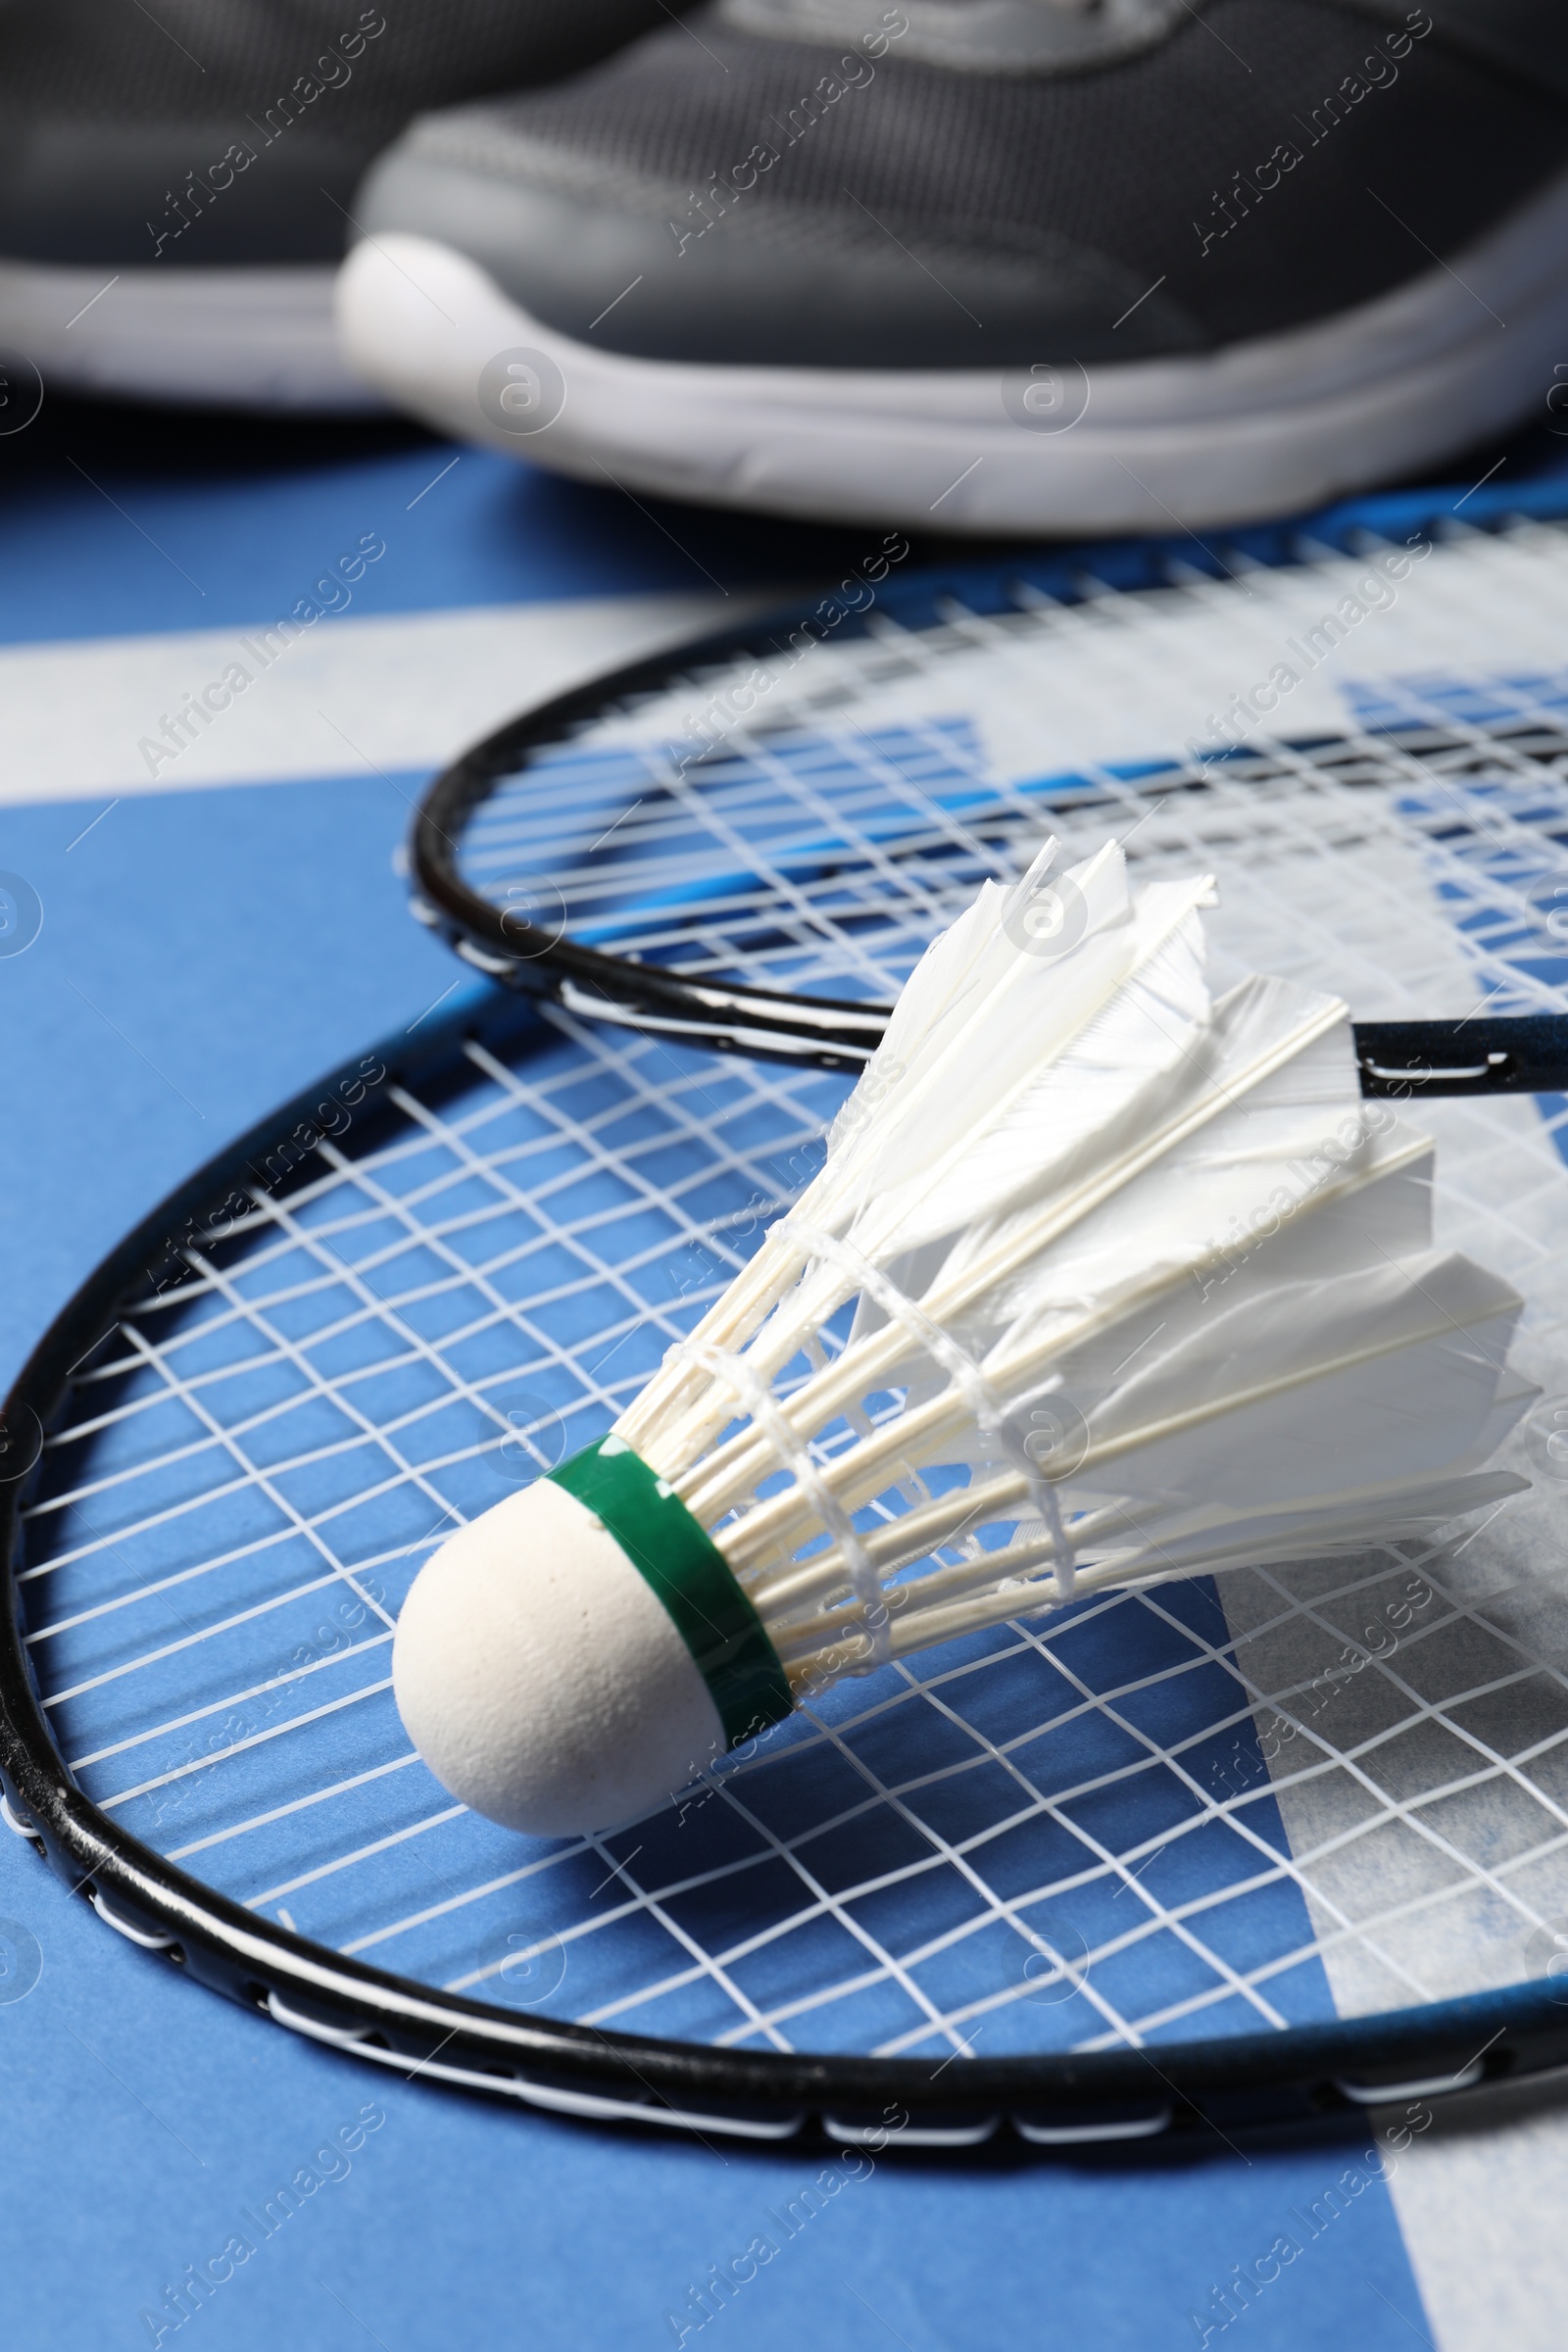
[
  {"x": 991, "y": 265},
  {"x": 177, "y": 182}
]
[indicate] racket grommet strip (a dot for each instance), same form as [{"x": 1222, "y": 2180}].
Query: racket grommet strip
[
  {"x": 14, "y": 1823},
  {"x": 1088, "y": 2131},
  {"x": 1423, "y": 2087},
  {"x": 151, "y": 1939}
]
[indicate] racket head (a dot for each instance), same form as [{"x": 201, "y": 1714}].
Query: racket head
[
  {"x": 1063, "y": 2096},
  {"x": 734, "y": 873},
  {"x": 1206, "y": 1996}
]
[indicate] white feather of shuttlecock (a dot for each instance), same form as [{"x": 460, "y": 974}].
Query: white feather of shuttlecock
[{"x": 1144, "y": 1289}]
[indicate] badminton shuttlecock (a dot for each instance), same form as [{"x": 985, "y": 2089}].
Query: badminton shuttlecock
[{"x": 1143, "y": 1288}]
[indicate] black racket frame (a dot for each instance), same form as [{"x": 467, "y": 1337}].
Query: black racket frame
[{"x": 1164, "y": 2095}]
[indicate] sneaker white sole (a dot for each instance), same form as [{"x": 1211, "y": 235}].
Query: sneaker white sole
[
  {"x": 243, "y": 338},
  {"x": 1267, "y": 428}
]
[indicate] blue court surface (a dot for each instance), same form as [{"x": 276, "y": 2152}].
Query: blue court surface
[{"x": 219, "y": 925}]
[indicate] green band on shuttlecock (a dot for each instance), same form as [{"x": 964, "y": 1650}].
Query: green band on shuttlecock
[{"x": 681, "y": 1562}]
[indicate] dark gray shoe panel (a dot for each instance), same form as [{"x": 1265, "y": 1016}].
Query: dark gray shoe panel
[
  {"x": 916, "y": 201},
  {"x": 112, "y": 119},
  {"x": 812, "y": 291},
  {"x": 124, "y": 195},
  {"x": 1526, "y": 37},
  {"x": 195, "y": 60}
]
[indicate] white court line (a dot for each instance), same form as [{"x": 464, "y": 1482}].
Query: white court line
[
  {"x": 403, "y": 691},
  {"x": 409, "y": 691}
]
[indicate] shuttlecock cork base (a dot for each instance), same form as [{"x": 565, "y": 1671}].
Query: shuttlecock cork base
[
  {"x": 1141, "y": 1289},
  {"x": 581, "y": 1651}
]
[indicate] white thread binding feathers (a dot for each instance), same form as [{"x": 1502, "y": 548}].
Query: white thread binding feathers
[{"x": 1145, "y": 1288}]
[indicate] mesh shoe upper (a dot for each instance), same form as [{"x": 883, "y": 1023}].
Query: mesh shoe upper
[
  {"x": 913, "y": 216},
  {"x": 118, "y": 126}
]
